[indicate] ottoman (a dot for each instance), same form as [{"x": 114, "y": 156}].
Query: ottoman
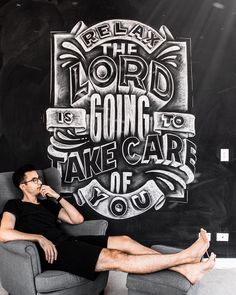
[{"x": 167, "y": 282}]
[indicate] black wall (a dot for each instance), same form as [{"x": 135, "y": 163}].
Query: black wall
[{"x": 25, "y": 96}]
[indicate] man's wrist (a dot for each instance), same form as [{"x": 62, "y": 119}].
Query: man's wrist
[
  {"x": 57, "y": 196},
  {"x": 38, "y": 238},
  {"x": 59, "y": 199}
]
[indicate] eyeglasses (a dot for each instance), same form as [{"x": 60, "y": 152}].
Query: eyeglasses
[{"x": 35, "y": 180}]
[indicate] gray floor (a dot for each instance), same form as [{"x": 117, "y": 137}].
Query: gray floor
[{"x": 116, "y": 284}]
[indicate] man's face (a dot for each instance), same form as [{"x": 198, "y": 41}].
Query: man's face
[{"x": 32, "y": 183}]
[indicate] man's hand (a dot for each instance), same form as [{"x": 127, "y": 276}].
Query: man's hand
[
  {"x": 49, "y": 249},
  {"x": 48, "y": 191}
]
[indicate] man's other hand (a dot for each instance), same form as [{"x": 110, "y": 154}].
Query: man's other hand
[{"x": 49, "y": 249}]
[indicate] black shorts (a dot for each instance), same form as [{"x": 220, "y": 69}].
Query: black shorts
[{"x": 77, "y": 255}]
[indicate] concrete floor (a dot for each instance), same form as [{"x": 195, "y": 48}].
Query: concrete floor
[{"x": 116, "y": 284}]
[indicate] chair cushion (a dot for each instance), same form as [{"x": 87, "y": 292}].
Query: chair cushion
[
  {"x": 165, "y": 282},
  {"x": 55, "y": 280}
]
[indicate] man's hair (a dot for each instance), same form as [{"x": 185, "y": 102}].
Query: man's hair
[{"x": 19, "y": 175}]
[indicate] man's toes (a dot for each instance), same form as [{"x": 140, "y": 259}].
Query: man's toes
[{"x": 203, "y": 234}]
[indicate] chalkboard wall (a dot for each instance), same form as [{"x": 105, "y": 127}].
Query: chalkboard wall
[{"x": 206, "y": 29}]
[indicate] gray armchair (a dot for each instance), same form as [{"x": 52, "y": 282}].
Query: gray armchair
[{"x": 20, "y": 269}]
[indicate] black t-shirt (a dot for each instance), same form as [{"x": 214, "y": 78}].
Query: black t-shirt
[{"x": 37, "y": 219}]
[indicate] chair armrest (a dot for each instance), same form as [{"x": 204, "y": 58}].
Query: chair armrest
[
  {"x": 14, "y": 250},
  {"x": 19, "y": 265},
  {"x": 87, "y": 228}
]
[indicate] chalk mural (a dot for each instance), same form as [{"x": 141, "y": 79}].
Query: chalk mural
[{"x": 121, "y": 116}]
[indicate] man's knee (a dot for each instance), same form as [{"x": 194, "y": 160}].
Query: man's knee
[
  {"x": 110, "y": 259},
  {"x": 126, "y": 238},
  {"x": 118, "y": 242}
]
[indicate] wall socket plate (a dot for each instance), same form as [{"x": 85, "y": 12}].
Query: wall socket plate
[
  {"x": 222, "y": 237},
  {"x": 224, "y": 155}
]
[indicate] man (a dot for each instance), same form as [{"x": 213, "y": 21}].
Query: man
[{"x": 33, "y": 219}]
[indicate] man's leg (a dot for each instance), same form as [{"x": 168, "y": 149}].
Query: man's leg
[
  {"x": 183, "y": 262},
  {"x": 130, "y": 246}
]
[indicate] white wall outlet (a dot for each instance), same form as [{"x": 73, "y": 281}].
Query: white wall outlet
[
  {"x": 222, "y": 237},
  {"x": 208, "y": 236},
  {"x": 224, "y": 155}
]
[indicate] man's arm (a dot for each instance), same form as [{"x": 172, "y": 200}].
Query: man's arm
[
  {"x": 8, "y": 233},
  {"x": 68, "y": 212}
]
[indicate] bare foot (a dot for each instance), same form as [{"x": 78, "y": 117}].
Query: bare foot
[
  {"x": 195, "y": 252},
  {"x": 203, "y": 234},
  {"x": 195, "y": 272}
]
